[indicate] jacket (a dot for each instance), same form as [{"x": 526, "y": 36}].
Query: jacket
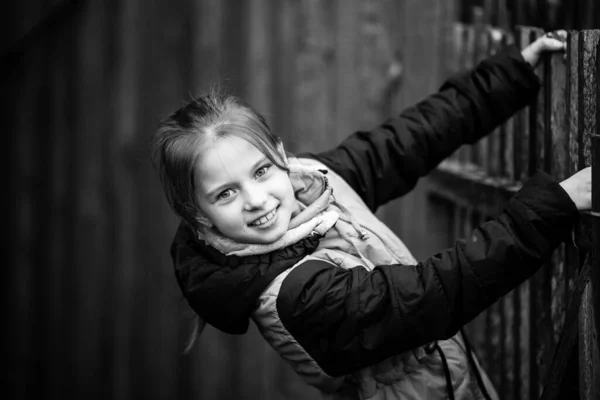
[{"x": 350, "y": 321}]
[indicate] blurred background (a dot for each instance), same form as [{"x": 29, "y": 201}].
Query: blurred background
[{"x": 92, "y": 306}]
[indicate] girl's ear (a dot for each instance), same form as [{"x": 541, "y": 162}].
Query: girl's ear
[
  {"x": 204, "y": 221},
  {"x": 281, "y": 152}
]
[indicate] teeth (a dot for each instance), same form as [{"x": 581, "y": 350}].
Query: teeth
[{"x": 264, "y": 219}]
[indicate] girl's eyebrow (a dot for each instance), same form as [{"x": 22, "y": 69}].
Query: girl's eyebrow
[{"x": 219, "y": 188}]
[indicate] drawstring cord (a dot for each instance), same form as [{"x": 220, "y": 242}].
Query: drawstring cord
[
  {"x": 475, "y": 369},
  {"x": 430, "y": 348}
]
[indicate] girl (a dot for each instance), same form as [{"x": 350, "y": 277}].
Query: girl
[{"x": 293, "y": 243}]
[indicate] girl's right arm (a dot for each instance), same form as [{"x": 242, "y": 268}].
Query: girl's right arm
[{"x": 349, "y": 319}]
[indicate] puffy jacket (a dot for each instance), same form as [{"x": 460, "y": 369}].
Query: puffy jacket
[{"x": 353, "y": 315}]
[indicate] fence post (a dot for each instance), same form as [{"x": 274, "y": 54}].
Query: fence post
[{"x": 589, "y": 357}]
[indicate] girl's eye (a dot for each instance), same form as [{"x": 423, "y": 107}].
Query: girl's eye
[
  {"x": 263, "y": 170},
  {"x": 224, "y": 195}
]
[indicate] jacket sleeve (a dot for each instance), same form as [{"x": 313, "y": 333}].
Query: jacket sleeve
[
  {"x": 349, "y": 319},
  {"x": 386, "y": 162}
]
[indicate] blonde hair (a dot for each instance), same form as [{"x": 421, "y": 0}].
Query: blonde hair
[{"x": 178, "y": 143}]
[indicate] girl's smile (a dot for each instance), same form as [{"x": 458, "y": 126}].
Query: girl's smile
[
  {"x": 245, "y": 196},
  {"x": 266, "y": 220}
]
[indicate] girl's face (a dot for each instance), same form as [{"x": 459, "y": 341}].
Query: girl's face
[{"x": 242, "y": 193}]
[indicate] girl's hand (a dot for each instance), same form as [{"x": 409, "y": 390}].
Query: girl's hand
[
  {"x": 552, "y": 41},
  {"x": 579, "y": 188}
]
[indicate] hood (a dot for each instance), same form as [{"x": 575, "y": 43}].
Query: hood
[
  {"x": 222, "y": 289},
  {"x": 222, "y": 282}
]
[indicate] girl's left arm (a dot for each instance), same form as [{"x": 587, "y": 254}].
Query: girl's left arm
[{"x": 386, "y": 162}]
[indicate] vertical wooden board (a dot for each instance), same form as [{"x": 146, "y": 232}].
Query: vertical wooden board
[
  {"x": 558, "y": 288},
  {"x": 573, "y": 89},
  {"x": 525, "y": 354},
  {"x": 496, "y": 346},
  {"x": 479, "y": 149},
  {"x": 495, "y": 140},
  {"x": 589, "y": 357},
  {"x": 393, "y": 47},
  {"x": 284, "y": 57},
  {"x": 509, "y": 134},
  {"x": 508, "y": 345},
  {"x": 92, "y": 222},
  {"x": 162, "y": 85},
  {"x": 57, "y": 280},
  {"x": 314, "y": 114},
  {"x": 589, "y": 351},
  {"x": 440, "y": 214},
  {"x": 588, "y": 104},
  {"x": 421, "y": 72},
  {"x": 121, "y": 147},
  {"x": 507, "y": 131},
  {"x": 537, "y": 132},
  {"x": 556, "y": 85},
  {"x": 454, "y": 45},
  {"x": 375, "y": 56},
  {"x": 207, "y": 358},
  {"x": 468, "y": 48},
  {"x": 259, "y": 69},
  {"x": 20, "y": 286},
  {"x": 478, "y": 332},
  {"x": 206, "y": 45},
  {"x": 348, "y": 69},
  {"x": 521, "y": 143},
  {"x": 542, "y": 337}
]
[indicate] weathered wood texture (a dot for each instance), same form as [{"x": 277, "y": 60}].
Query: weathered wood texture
[
  {"x": 517, "y": 338},
  {"x": 93, "y": 307}
]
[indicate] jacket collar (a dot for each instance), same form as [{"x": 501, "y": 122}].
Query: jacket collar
[{"x": 222, "y": 280}]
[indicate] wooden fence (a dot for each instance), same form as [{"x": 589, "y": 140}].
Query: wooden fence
[
  {"x": 523, "y": 340},
  {"x": 93, "y": 308}
]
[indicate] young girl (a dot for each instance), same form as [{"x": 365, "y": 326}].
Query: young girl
[{"x": 293, "y": 243}]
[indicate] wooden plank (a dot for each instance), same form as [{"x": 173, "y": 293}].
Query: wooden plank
[
  {"x": 57, "y": 277},
  {"x": 495, "y": 344},
  {"x": 507, "y": 336},
  {"x": 314, "y": 112},
  {"x": 573, "y": 89},
  {"x": 522, "y": 126},
  {"x": 478, "y": 151},
  {"x": 556, "y": 101},
  {"x": 541, "y": 340},
  {"x": 284, "y": 67},
  {"x": 556, "y": 158},
  {"x": 348, "y": 66},
  {"x": 120, "y": 153},
  {"x": 477, "y": 328},
  {"x": 452, "y": 61},
  {"x": 589, "y": 358},
  {"x": 470, "y": 187},
  {"x": 93, "y": 254},
  {"x": 508, "y": 132},
  {"x": 588, "y": 106},
  {"x": 526, "y": 353},
  {"x": 464, "y": 153},
  {"x": 555, "y": 384},
  {"x": 495, "y": 140},
  {"x": 20, "y": 281}
]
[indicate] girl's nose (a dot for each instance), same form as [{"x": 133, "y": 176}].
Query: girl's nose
[{"x": 255, "y": 198}]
